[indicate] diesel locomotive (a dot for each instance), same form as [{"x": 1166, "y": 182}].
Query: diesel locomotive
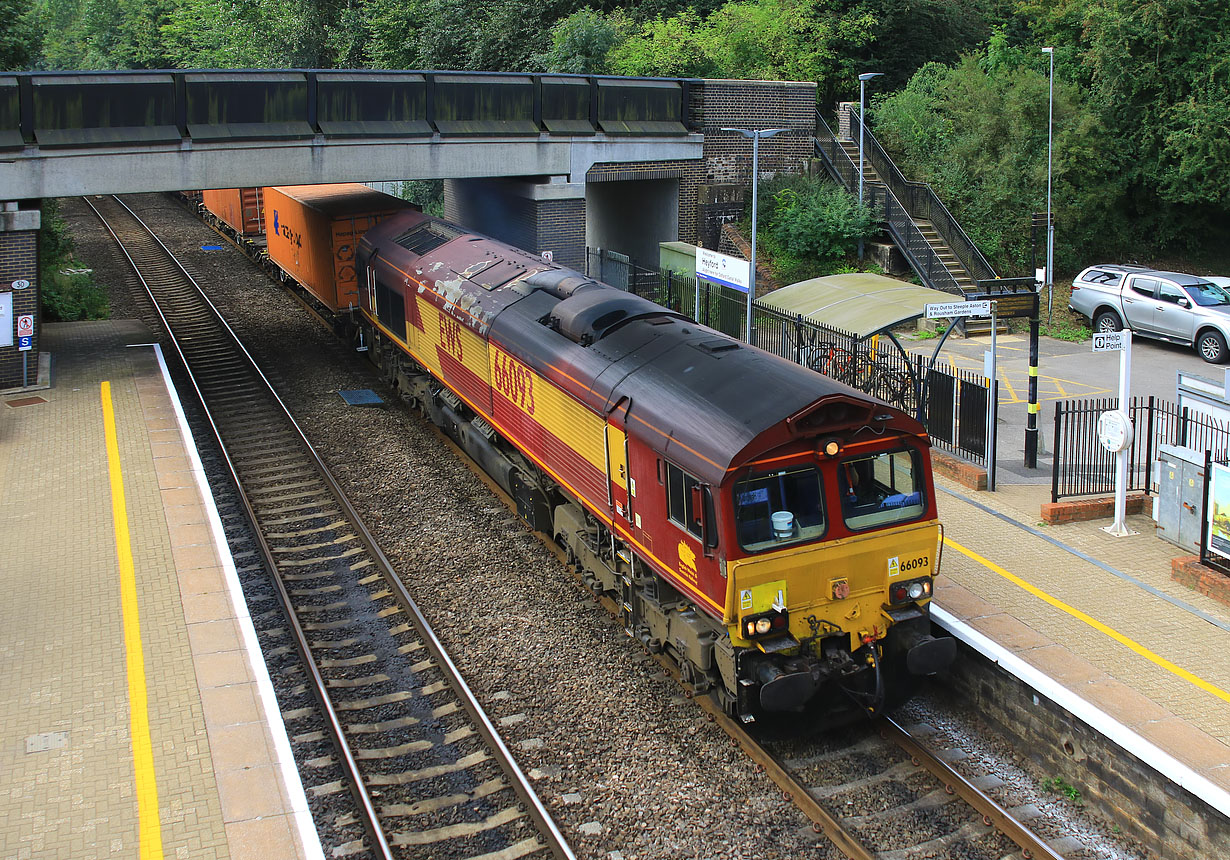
[{"x": 772, "y": 530}]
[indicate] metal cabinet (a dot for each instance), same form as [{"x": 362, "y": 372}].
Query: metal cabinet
[{"x": 1179, "y": 508}]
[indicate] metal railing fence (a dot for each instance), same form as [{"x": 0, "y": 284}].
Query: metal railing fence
[
  {"x": 882, "y": 200},
  {"x": 922, "y": 202},
  {"x": 1082, "y": 467}
]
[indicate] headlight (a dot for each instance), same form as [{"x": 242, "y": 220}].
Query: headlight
[
  {"x": 907, "y": 592},
  {"x": 764, "y": 624}
]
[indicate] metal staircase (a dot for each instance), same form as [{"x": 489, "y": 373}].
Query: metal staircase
[{"x": 937, "y": 249}]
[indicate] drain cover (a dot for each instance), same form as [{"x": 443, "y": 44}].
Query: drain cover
[
  {"x": 361, "y": 397},
  {"x": 25, "y": 401},
  {"x": 46, "y": 741}
]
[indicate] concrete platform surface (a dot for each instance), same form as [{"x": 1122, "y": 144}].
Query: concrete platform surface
[
  {"x": 1099, "y": 616},
  {"x": 136, "y": 720}
]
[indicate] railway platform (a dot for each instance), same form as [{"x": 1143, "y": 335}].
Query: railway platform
[
  {"x": 137, "y": 716},
  {"x": 1096, "y": 623}
]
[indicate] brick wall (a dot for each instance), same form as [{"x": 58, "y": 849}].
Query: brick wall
[
  {"x": 561, "y": 230},
  {"x": 19, "y": 261},
  {"x": 757, "y": 104}
]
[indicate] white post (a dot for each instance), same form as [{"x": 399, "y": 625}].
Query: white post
[{"x": 1119, "y": 528}]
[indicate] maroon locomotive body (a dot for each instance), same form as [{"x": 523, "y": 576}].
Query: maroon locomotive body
[{"x": 774, "y": 530}]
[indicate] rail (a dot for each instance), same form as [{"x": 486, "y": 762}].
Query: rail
[{"x": 293, "y": 503}]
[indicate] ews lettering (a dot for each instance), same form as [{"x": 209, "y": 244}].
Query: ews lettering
[
  {"x": 514, "y": 380},
  {"x": 450, "y": 336}
]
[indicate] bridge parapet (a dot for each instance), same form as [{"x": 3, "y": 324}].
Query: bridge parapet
[{"x": 140, "y": 109}]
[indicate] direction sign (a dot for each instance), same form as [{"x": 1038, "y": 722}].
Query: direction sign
[
  {"x": 959, "y": 309},
  {"x": 1111, "y": 341},
  {"x": 25, "y": 325},
  {"x": 722, "y": 269}
]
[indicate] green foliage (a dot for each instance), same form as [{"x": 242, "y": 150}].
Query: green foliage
[
  {"x": 809, "y": 227},
  {"x": 21, "y": 34},
  {"x": 65, "y": 295},
  {"x": 427, "y": 194},
  {"x": 1059, "y": 785},
  {"x": 800, "y": 40},
  {"x": 580, "y": 43},
  {"x": 976, "y": 132},
  {"x": 1066, "y": 330}
]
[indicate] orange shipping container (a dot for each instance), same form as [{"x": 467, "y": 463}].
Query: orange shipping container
[
  {"x": 238, "y": 208},
  {"x": 314, "y": 230}
]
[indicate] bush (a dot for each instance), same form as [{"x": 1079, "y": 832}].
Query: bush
[
  {"x": 809, "y": 227},
  {"x": 66, "y": 293}
]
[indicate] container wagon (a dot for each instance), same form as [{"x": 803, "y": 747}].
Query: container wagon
[
  {"x": 313, "y": 232},
  {"x": 241, "y": 209}
]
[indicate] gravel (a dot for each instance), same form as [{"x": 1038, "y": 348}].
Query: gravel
[{"x": 629, "y": 768}]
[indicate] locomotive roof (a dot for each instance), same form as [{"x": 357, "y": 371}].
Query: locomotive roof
[{"x": 709, "y": 400}]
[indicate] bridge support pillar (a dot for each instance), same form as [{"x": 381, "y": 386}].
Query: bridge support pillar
[
  {"x": 19, "y": 296},
  {"x": 534, "y": 216}
]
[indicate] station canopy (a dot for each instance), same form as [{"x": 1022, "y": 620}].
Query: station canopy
[{"x": 861, "y": 303}]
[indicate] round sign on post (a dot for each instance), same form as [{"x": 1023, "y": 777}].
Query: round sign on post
[{"x": 1114, "y": 430}]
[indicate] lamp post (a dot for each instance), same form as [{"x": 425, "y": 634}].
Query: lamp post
[
  {"x": 1050, "y": 226},
  {"x": 755, "y": 134},
  {"x": 862, "y": 112}
]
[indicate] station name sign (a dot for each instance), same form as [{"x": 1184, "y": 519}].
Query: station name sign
[
  {"x": 945, "y": 310},
  {"x": 722, "y": 269}
]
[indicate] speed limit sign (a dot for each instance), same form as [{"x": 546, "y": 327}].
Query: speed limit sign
[{"x": 25, "y": 325}]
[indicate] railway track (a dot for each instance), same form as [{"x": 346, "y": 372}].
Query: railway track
[
  {"x": 404, "y": 738},
  {"x": 882, "y": 793}
]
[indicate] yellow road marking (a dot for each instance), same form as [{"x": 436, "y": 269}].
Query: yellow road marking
[
  {"x": 1093, "y": 622},
  {"x": 149, "y": 827}
]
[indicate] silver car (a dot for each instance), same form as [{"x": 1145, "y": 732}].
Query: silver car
[{"x": 1169, "y": 306}]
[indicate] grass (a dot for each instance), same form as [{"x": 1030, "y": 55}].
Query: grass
[{"x": 1059, "y": 785}]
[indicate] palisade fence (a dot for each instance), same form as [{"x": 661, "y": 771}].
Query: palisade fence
[
  {"x": 951, "y": 404},
  {"x": 1082, "y": 467}
]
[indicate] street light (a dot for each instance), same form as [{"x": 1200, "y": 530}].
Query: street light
[
  {"x": 755, "y": 134},
  {"x": 862, "y": 111},
  {"x": 1050, "y": 226}
]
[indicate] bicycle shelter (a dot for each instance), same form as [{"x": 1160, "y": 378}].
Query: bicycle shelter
[{"x": 861, "y": 303}]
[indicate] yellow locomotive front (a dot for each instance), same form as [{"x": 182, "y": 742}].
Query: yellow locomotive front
[{"x": 828, "y": 591}]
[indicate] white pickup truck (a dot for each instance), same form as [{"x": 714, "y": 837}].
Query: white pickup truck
[{"x": 1169, "y": 306}]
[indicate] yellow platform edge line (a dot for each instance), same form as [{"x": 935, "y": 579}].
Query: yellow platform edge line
[
  {"x": 149, "y": 826},
  {"x": 1152, "y": 657}
]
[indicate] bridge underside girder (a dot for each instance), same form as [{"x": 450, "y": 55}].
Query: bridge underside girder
[{"x": 98, "y": 170}]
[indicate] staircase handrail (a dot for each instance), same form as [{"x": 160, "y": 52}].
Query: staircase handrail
[
  {"x": 924, "y": 203},
  {"x": 918, "y": 252}
]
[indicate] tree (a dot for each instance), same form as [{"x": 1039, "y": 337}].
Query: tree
[{"x": 580, "y": 43}]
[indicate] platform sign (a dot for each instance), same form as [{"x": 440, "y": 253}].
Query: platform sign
[
  {"x": 721, "y": 269},
  {"x": 6, "y": 319},
  {"x": 944, "y": 310},
  {"x": 1111, "y": 341}
]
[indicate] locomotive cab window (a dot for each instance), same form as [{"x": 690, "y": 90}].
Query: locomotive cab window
[
  {"x": 680, "y": 500},
  {"x": 780, "y": 508},
  {"x": 390, "y": 307},
  {"x": 881, "y": 489}
]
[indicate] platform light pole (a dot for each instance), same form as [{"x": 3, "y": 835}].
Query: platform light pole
[
  {"x": 755, "y": 134},
  {"x": 862, "y": 114},
  {"x": 1050, "y": 224}
]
